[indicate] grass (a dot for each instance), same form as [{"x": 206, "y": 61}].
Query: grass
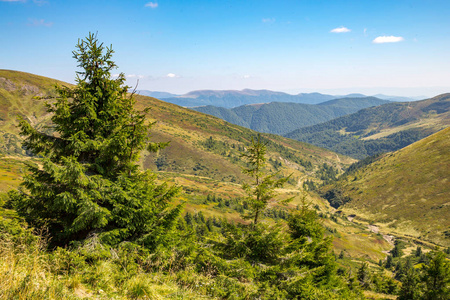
[
  {"x": 407, "y": 189},
  {"x": 27, "y": 271}
]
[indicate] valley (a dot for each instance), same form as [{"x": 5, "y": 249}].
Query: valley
[{"x": 204, "y": 159}]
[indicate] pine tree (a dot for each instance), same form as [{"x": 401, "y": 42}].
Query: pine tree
[
  {"x": 410, "y": 286},
  {"x": 89, "y": 181},
  {"x": 363, "y": 275},
  {"x": 262, "y": 190},
  {"x": 436, "y": 277}
]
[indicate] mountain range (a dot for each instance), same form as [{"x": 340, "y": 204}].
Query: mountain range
[
  {"x": 282, "y": 117},
  {"x": 234, "y": 98}
]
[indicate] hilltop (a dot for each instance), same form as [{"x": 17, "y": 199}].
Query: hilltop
[
  {"x": 384, "y": 128},
  {"x": 407, "y": 190}
]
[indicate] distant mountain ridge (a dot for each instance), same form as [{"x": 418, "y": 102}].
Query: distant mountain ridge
[
  {"x": 235, "y": 98},
  {"x": 155, "y": 94},
  {"x": 281, "y": 117},
  {"x": 379, "y": 129}
]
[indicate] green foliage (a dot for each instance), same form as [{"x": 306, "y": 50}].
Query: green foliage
[
  {"x": 336, "y": 197},
  {"x": 89, "y": 180},
  {"x": 397, "y": 250},
  {"x": 436, "y": 277},
  {"x": 262, "y": 190},
  {"x": 363, "y": 276},
  {"x": 361, "y": 164},
  {"x": 327, "y": 173},
  {"x": 259, "y": 243},
  {"x": 369, "y": 121},
  {"x": 410, "y": 286}
]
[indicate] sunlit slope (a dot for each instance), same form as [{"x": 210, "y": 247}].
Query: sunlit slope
[
  {"x": 20, "y": 95},
  {"x": 203, "y": 158},
  {"x": 408, "y": 189},
  {"x": 201, "y": 145}
]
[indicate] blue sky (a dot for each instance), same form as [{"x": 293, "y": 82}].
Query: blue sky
[{"x": 383, "y": 46}]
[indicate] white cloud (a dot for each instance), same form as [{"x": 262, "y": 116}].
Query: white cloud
[
  {"x": 388, "y": 39},
  {"x": 172, "y": 75},
  {"x": 40, "y": 22},
  {"x": 268, "y": 20},
  {"x": 341, "y": 29},
  {"x": 152, "y": 5},
  {"x": 246, "y": 76}
]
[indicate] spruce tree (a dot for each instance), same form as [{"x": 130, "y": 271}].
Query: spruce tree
[
  {"x": 436, "y": 277},
  {"x": 262, "y": 189},
  {"x": 89, "y": 180}
]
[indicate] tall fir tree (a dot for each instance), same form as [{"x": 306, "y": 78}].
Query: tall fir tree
[
  {"x": 89, "y": 180},
  {"x": 436, "y": 277},
  {"x": 262, "y": 189}
]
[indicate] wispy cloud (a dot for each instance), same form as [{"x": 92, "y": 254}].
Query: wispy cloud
[
  {"x": 40, "y": 2},
  {"x": 268, "y": 20},
  {"x": 39, "y": 22},
  {"x": 341, "y": 29},
  {"x": 152, "y": 4},
  {"x": 388, "y": 39},
  {"x": 135, "y": 76}
]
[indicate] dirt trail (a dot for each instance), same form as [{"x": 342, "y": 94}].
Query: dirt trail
[{"x": 375, "y": 229}]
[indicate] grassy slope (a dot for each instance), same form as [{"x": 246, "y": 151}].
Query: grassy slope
[
  {"x": 187, "y": 129},
  {"x": 407, "y": 190}
]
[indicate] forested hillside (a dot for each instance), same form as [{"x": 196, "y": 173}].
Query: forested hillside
[
  {"x": 281, "y": 117},
  {"x": 385, "y": 128}
]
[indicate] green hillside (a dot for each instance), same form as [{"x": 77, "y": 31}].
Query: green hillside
[
  {"x": 407, "y": 191},
  {"x": 203, "y": 158},
  {"x": 20, "y": 94},
  {"x": 189, "y": 132},
  {"x": 384, "y": 128},
  {"x": 283, "y": 117}
]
